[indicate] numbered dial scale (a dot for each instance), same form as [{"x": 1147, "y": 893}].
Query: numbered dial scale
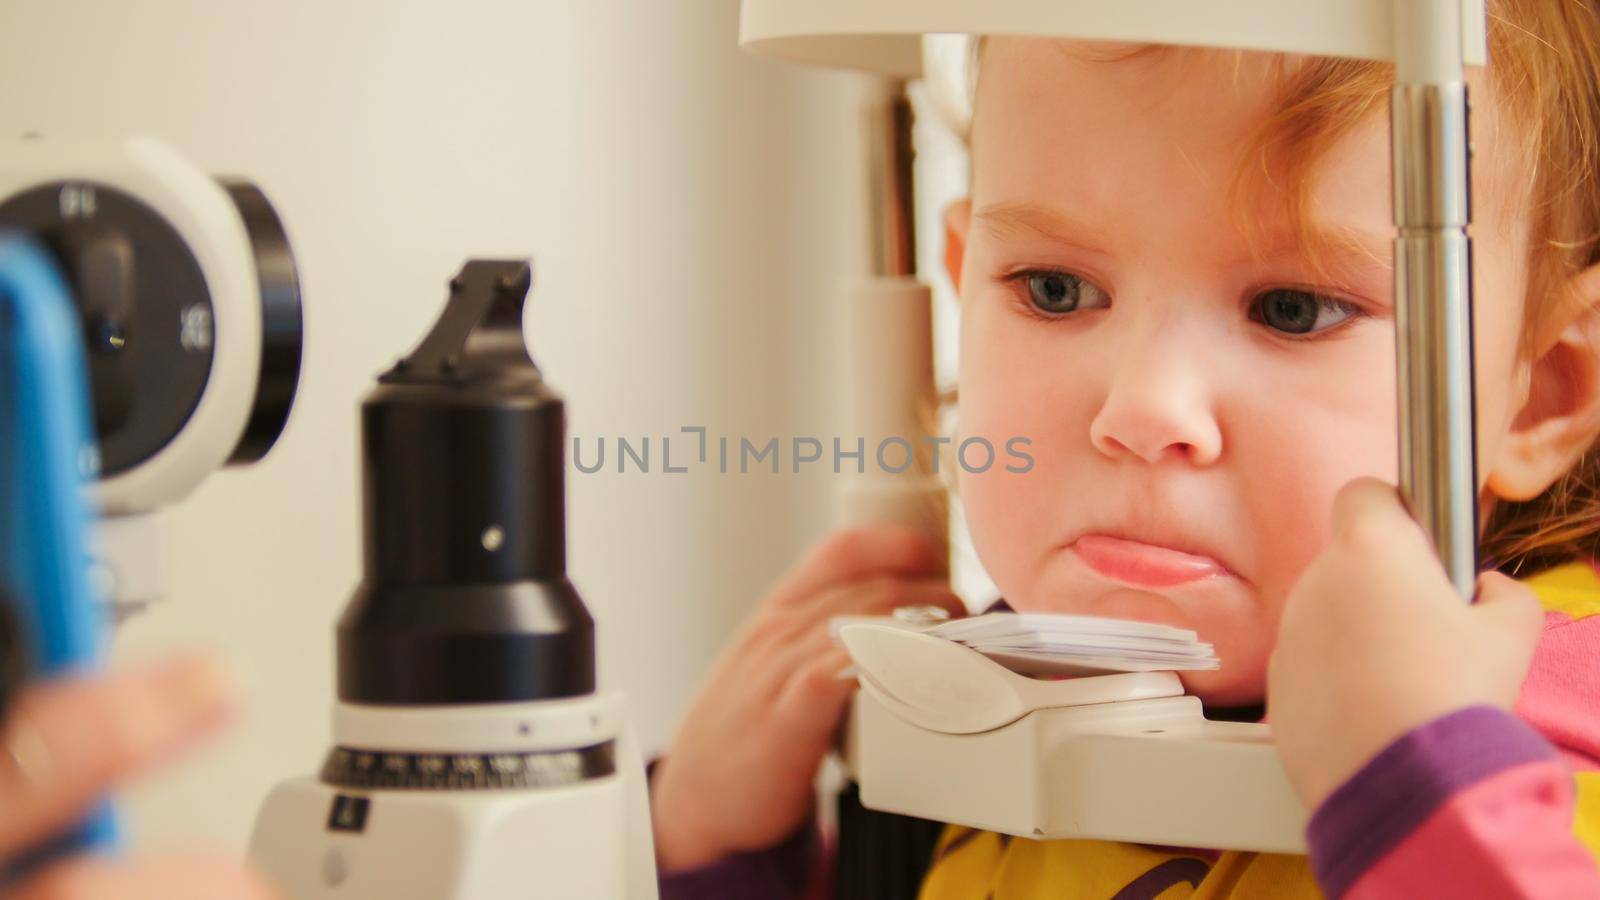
[
  {"x": 348, "y": 767},
  {"x": 149, "y": 316}
]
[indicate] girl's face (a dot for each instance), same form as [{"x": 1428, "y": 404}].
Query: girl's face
[{"x": 1193, "y": 395}]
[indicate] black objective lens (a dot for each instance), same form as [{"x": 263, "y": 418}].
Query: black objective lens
[{"x": 465, "y": 597}]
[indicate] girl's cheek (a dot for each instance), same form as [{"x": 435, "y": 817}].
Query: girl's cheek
[
  {"x": 1299, "y": 465},
  {"x": 1013, "y": 394},
  {"x": 1007, "y": 513}
]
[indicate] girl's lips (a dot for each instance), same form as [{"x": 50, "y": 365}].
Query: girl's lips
[{"x": 1141, "y": 564}]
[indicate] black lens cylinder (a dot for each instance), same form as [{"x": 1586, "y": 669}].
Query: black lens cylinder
[
  {"x": 465, "y": 597},
  {"x": 463, "y": 485}
]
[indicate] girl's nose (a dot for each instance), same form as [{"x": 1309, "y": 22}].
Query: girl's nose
[{"x": 1156, "y": 409}]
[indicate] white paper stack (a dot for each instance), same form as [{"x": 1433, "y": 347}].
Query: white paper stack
[
  {"x": 1059, "y": 645},
  {"x": 1056, "y": 644}
]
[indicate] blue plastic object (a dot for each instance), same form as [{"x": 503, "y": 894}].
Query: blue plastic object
[{"x": 47, "y": 455}]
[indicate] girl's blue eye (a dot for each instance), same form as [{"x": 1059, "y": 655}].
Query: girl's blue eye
[
  {"x": 1294, "y": 311},
  {"x": 1063, "y": 292}
]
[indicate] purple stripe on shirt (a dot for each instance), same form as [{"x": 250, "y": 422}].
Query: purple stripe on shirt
[
  {"x": 1400, "y": 788},
  {"x": 1171, "y": 873}
]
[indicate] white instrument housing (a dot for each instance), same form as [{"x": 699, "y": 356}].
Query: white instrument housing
[
  {"x": 198, "y": 208},
  {"x": 319, "y": 841},
  {"x": 1091, "y": 767}
]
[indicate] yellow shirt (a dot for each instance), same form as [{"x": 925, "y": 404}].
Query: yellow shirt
[{"x": 970, "y": 865}]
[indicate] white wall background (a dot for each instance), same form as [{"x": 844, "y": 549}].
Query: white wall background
[{"x": 690, "y": 208}]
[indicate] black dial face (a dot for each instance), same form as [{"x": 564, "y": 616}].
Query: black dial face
[
  {"x": 147, "y": 315},
  {"x": 350, "y": 767}
]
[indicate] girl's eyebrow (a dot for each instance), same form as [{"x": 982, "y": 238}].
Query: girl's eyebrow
[
  {"x": 1349, "y": 256},
  {"x": 1344, "y": 247},
  {"x": 1326, "y": 237},
  {"x": 1012, "y": 218}
]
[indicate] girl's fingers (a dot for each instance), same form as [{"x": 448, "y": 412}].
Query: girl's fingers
[
  {"x": 1368, "y": 514},
  {"x": 855, "y": 554},
  {"x": 879, "y": 596},
  {"x": 808, "y": 634},
  {"x": 813, "y": 695},
  {"x": 67, "y": 742},
  {"x": 1511, "y": 607},
  {"x": 814, "y": 698},
  {"x": 1366, "y": 502},
  {"x": 193, "y": 878}
]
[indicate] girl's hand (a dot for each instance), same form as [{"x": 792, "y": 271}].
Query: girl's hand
[
  {"x": 1374, "y": 642},
  {"x": 739, "y": 774},
  {"x": 67, "y": 742}
]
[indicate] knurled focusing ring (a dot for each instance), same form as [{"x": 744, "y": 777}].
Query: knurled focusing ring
[{"x": 354, "y": 767}]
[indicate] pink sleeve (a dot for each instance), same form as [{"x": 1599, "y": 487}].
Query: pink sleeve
[{"x": 1475, "y": 804}]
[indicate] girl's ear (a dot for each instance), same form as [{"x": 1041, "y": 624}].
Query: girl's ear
[
  {"x": 956, "y": 218},
  {"x": 1560, "y": 418}
]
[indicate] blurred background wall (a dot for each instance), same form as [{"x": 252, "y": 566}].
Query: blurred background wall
[{"x": 691, "y": 211}]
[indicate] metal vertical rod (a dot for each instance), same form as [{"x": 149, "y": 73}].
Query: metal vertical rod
[
  {"x": 884, "y": 856},
  {"x": 1433, "y": 284},
  {"x": 888, "y": 157}
]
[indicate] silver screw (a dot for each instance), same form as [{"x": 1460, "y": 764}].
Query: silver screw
[
  {"x": 195, "y": 328},
  {"x": 921, "y": 614},
  {"x": 493, "y": 537}
]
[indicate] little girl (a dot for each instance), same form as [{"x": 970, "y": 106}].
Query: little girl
[{"x": 1175, "y": 278}]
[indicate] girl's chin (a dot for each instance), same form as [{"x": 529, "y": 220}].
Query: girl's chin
[
  {"x": 1222, "y": 613},
  {"x": 1224, "y": 688}
]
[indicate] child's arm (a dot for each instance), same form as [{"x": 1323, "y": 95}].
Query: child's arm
[
  {"x": 1389, "y": 700},
  {"x": 733, "y": 800},
  {"x": 1473, "y": 804},
  {"x": 798, "y": 868}
]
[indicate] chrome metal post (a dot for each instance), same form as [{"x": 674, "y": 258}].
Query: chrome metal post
[{"x": 1433, "y": 320}]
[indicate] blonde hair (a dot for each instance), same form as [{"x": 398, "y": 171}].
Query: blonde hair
[{"x": 1544, "y": 73}]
